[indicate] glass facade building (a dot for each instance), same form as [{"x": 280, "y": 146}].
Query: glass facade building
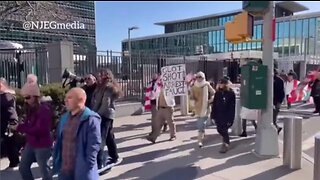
[
  {"x": 81, "y": 11},
  {"x": 295, "y": 34}
]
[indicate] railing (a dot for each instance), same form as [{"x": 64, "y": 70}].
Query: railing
[
  {"x": 32, "y": 61},
  {"x": 144, "y": 65}
]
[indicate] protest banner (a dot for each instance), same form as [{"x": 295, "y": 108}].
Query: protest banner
[{"x": 173, "y": 78}]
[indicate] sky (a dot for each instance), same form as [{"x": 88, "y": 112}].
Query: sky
[{"x": 114, "y": 17}]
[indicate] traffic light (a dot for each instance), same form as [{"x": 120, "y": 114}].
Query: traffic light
[{"x": 240, "y": 29}]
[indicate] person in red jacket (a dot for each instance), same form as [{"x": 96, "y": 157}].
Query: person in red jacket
[{"x": 37, "y": 127}]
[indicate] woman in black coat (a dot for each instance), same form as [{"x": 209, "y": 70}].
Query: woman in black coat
[{"x": 223, "y": 111}]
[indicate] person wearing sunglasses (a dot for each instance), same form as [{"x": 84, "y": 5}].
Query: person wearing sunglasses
[
  {"x": 202, "y": 93},
  {"x": 89, "y": 88},
  {"x": 36, "y": 127}
]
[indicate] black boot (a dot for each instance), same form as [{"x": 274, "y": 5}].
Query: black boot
[{"x": 243, "y": 134}]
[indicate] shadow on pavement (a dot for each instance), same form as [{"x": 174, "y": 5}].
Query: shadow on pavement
[
  {"x": 131, "y": 127},
  {"x": 186, "y": 173},
  {"x": 128, "y": 138},
  {"x": 184, "y": 166},
  {"x": 274, "y": 173}
]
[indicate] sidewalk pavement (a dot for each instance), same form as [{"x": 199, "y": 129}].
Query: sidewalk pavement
[{"x": 182, "y": 159}]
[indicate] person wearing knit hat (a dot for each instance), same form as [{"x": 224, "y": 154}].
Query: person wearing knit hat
[
  {"x": 31, "y": 87},
  {"x": 37, "y": 127},
  {"x": 202, "y": 93}
]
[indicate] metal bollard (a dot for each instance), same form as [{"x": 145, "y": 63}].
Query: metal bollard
[
  {"x": 316, "y": 168},
  {"x": 184, "y": 105},
  {"x": 237, "y": 125},
  {"x": 292, "y": 145}
]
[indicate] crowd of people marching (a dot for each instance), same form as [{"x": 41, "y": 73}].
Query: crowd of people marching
[
  {"x": 83, "y": 131},
  {"x": 86, "y": 127}
]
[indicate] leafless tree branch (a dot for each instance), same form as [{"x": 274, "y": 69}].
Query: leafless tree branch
[{"x": 38, "y": 11}]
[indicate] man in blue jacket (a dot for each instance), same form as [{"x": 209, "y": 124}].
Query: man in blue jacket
[{"x": 78, "y": 140}]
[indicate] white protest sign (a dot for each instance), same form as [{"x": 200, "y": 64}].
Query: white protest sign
[{"x": 173, "y": 78}]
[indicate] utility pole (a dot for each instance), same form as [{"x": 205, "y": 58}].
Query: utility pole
[
  {"x": 129, "y": 45},
  {"x": 267, "y": 136}
]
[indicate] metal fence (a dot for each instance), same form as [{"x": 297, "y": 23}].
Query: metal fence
[
  {"x": 31, "y": 61},
  {"x": 144, "y": 65}
]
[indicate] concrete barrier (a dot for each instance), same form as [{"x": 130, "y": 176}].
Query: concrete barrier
[
  {"x": 292, "y": 151},
  {"x": 316, "y": 169}
]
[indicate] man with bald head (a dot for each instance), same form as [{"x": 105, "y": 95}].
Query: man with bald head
[{"x": 78, "y": 140}]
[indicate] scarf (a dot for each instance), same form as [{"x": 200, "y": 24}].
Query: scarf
[
  {"x": 151, "y": 90},
  {"x": 205, "y": 92}
]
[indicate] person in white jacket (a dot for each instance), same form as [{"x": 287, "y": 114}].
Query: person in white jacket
[
  {"x": 289, "y": 86},
  {"x": 202, "y": 93},
  {"x": 165, "y": 106}
]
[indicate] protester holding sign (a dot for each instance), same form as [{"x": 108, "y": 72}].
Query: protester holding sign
[
  {"x": 150, "y": 100},
  {"x": 165, "y": 105},
  {"x": 202, "y": 93},
  {"x": 173, "y": 78}
]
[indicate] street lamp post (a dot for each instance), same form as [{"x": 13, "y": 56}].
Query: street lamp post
[{"x": 129, "y": 44}]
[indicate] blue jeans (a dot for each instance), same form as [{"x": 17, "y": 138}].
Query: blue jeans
[
  {"x": 63, "y": 176},
  {"x": 201, "y": 124},
  {"x": 39, "y": 155}
]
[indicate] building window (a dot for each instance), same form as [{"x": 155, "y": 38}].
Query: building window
[
  {"x": 298, "y": 37},
  {"x": 292, "y": 39}
]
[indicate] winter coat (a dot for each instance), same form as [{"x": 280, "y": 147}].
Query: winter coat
[
  {"x": 89, "y": 91},
  {"x": 223, "y": 107},
  {"x": 8, "y": 110},
  {"x": 37, "y": 128},
  {"x": 202, "y": 98},
  {"x": 278, "y": 90},
  {"x": 315, "y": 88},
  {"x": 102, "y": 102},
  {"x": 88, "y": 146}
]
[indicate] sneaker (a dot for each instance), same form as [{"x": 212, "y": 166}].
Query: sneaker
[
  {"x": 244, "y": 134},
  {"x": 114, "y": 161},
  {"x": 224, "y": 148},
  {"x": 315, "y": 112},
  {"x": 173, "y": 138},
  {"x": 13, "y": 165},
  {"x": 104, "y": 169},
  {"x": 200, "y": 145},
  {"x": 151, "y": 140}
]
